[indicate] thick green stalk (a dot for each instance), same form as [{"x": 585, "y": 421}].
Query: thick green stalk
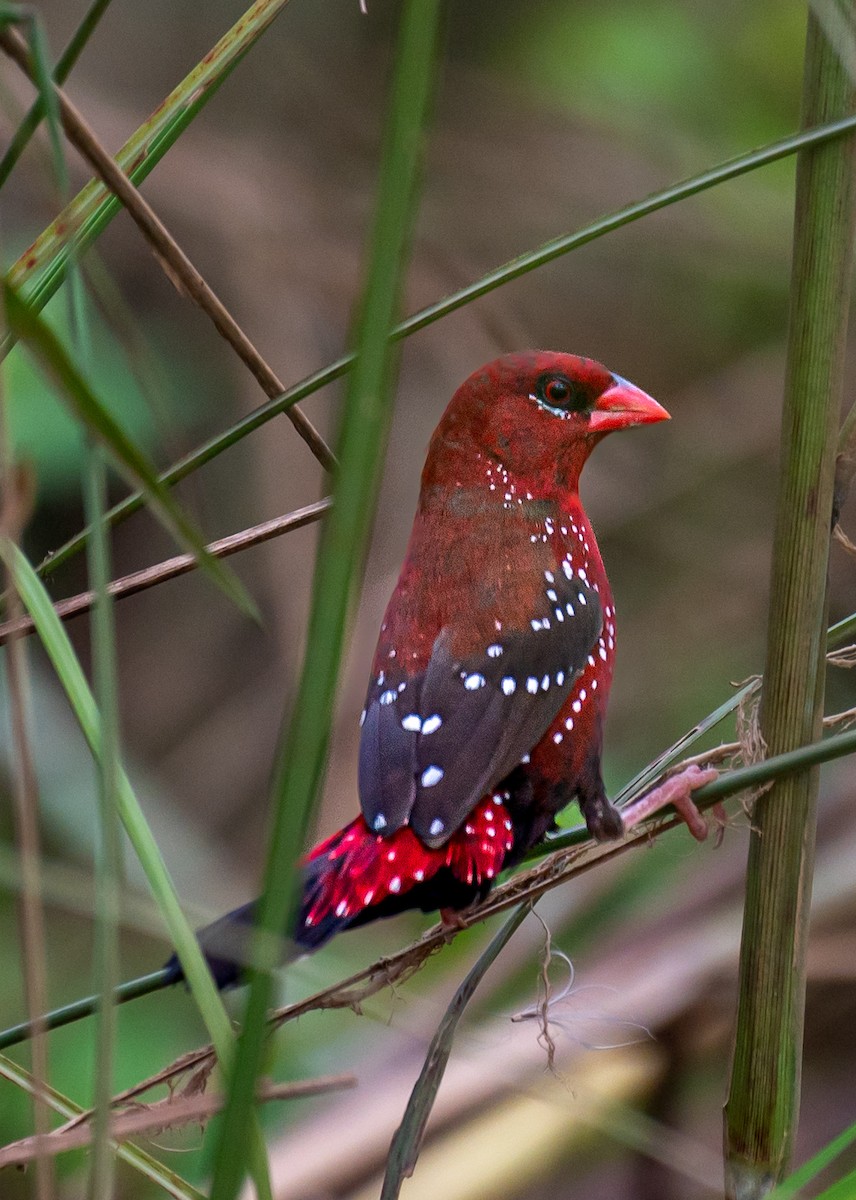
[{"x": 763, "y": 1106}]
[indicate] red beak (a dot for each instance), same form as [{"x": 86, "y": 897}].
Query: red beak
[{"x": 622, "y": 405}]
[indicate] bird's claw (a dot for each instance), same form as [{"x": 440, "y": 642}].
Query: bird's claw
[
  {"x": 676, "y": 791},
  {"x": 453, "y": 921}
]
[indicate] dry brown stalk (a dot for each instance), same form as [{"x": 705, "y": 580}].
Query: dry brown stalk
[
  {"x": 171, "y": 568},
  {"x": 151, "y": 1119}
]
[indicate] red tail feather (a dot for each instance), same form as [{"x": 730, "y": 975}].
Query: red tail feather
[{"x": 363, "y": 868}]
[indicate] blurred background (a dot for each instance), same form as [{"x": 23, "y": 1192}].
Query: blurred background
[{"x": 547, "y": 115}]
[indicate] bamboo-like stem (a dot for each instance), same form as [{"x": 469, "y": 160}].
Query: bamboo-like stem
[{"x": 763, "y": 1105}]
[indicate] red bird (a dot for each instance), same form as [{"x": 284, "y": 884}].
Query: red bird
[{"x": 488, "y": 691}]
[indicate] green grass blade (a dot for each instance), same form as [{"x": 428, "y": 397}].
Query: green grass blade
[
  {"x": 407, "y": 1139},
  {"x": 65, "y": 663},
  {"x": 149, "y": 1167},
  {"x": 108, "y": 860},
  {"x": 341, "y": 556},
  {"x": 89, "y": 213},
  {"x": 842, "y": 1189},
  {"x": 517, "y": 267},
  {"x": 793, "y": 1185},
  {"x": 133, "y": 463},
  {"x": 63, "y": 68}
]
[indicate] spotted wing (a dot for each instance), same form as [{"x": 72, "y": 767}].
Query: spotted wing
[{"x": 433, "y": 744}]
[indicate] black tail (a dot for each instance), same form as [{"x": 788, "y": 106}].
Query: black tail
[
  {"x": 328, "y": 875},
  {"x": 227, "y": 941}
]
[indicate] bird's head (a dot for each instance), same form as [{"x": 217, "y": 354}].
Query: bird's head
[{"x": 538, "y": 414}]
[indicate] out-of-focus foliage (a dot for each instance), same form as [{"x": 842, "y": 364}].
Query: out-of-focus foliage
[
  {"x": 44, "y": 434},
  {"x": 548, "y": 115}
]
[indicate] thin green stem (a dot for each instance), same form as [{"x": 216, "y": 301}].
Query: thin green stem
[
  {"x": 170, "y": 1183},
  {"x": 63, "y": 68},
  {"x": 408, "y": 1138},
  {"x": 729, "y": 783},
  {"x": 193, "y": 964},
  {"x": 109, "y": 852},
  {"x": 514, "y": 269}
]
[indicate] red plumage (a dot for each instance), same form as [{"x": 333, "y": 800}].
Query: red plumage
[{"x": 491, "y": 676}]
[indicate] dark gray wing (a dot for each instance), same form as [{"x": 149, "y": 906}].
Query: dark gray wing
[{"x": 433, "y": 744}]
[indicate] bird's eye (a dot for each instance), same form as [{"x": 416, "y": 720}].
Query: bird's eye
[{"x": 557, "y": 391}]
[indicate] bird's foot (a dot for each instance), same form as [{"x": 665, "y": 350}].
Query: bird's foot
[
  {"x": 676, "y": 791},
  {"x": 453, "y": 921}
]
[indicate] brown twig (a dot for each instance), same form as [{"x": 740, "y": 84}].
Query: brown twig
[
  {"x": 150, "y": 1119},
  {"x": 171, "y": 568},
  {"x": 176, "y": 265},
  {"x": 397, "y": 968},
  {"x": 528, "y": 886}
]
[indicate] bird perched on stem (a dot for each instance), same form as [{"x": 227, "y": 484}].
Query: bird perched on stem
[{"x": 488, "y": 690}]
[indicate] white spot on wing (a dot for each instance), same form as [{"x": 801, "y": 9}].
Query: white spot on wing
[
  {"x": 437, "y": 827},
  {"x": 431, "y": 776}
]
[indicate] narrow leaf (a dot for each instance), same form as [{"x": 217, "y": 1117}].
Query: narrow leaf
[
  {"x": 149, "y": 1167},
  {"x": 41, "y": 105},
  {"x": 803, "y": 1175},
  {"x": 407, "y": 1141},
  {"x": 509, "y": 271},
  {"x": 133, "y": 463},
  {"x": 94, "y": 207},
  {"x": 59, "y": 650}
]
